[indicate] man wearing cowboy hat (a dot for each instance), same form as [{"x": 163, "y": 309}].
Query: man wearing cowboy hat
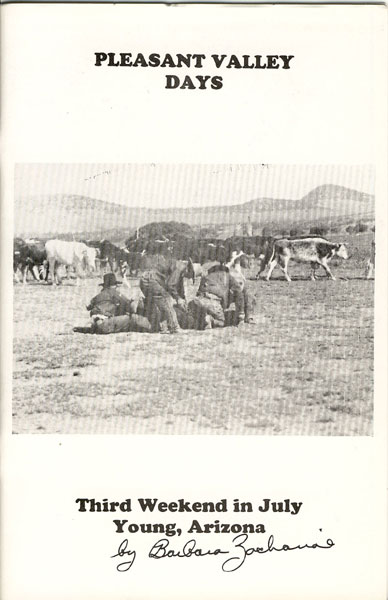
[{"x": 111, "y": 312}]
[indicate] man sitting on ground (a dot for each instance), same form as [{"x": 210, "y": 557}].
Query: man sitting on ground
[
  {"x": 217, "y": 291},
  {"x": 111, "y": 312}
]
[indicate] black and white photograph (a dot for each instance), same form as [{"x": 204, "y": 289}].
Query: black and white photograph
[{"x": 194, "y": 299}]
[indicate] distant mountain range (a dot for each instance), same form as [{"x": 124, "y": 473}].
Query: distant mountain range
[{"x": 62, "y": 213}]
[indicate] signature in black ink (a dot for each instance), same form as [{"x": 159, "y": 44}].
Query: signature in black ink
[
  {"x": 123, "y": 551},
  {"x": 159, "y": 550},
  {"x": 235, "y": 562},
  {"x": 239, "y": 552}
]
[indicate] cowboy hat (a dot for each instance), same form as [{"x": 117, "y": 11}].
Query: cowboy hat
[{"x": 110, "y": 280}]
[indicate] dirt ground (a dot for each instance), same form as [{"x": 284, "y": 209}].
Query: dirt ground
[{"x": 305, "y": 367}]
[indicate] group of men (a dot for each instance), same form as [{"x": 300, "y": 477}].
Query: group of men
[{"x": 163, "y": 307}]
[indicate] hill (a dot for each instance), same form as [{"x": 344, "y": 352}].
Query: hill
[{"x": 72, "y": 214}]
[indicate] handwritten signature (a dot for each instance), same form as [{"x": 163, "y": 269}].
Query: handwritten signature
[{"x": 241, "y": 549}]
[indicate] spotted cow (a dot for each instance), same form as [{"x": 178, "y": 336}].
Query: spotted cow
[{"x": 315, "y": 250}]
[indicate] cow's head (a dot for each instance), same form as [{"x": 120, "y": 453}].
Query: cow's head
[{"x": 342, "y": 251}]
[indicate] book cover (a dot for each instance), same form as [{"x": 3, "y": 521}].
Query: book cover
[{"x": 194, "y": 300}]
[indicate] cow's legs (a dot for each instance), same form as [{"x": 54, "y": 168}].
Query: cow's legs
[
  {"x": 79, "y": 272},
  {"x": 35, "y": 272},
  {"x": 25, "y": 269},
  {"x": 272, "y": 265},
  {"x": 56, "y": 276},
  {"x": 112, "y": 264},
  {"x": 43, "y": 270},
  {"x": 314, "y": 267},
  {"x": 261, "y": 264},
  {"x": 283, "y": 264},
  {"x": 286, "y": 275},
  {"x": 51, "y": 270},
  {"x": 326, "y": 267},
  {"x": 77, "y": 269}
]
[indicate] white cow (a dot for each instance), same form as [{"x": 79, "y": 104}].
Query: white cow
[{"x": 74, "y": 254}]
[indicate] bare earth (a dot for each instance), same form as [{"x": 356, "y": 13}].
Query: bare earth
[{"x": 305, "y": 368}]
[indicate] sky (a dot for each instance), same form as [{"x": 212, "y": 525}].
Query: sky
[{"x": 172, "y": 185}]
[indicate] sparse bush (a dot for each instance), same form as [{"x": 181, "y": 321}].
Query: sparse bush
[
  {"x": 168, "y": 229},
  {"x": 360, "y": 227},
  {"x": 350, "y": 229}
]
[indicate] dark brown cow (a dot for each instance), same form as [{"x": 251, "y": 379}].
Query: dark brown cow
[
  {"x": 109, "y": 254},
  {"x": 29, "y": 256}
]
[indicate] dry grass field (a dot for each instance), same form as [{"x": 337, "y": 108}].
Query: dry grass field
[{"x": 305, "y": 368}]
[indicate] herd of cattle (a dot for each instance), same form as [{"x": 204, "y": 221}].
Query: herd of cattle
[{"x": 42, "y": 258}]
